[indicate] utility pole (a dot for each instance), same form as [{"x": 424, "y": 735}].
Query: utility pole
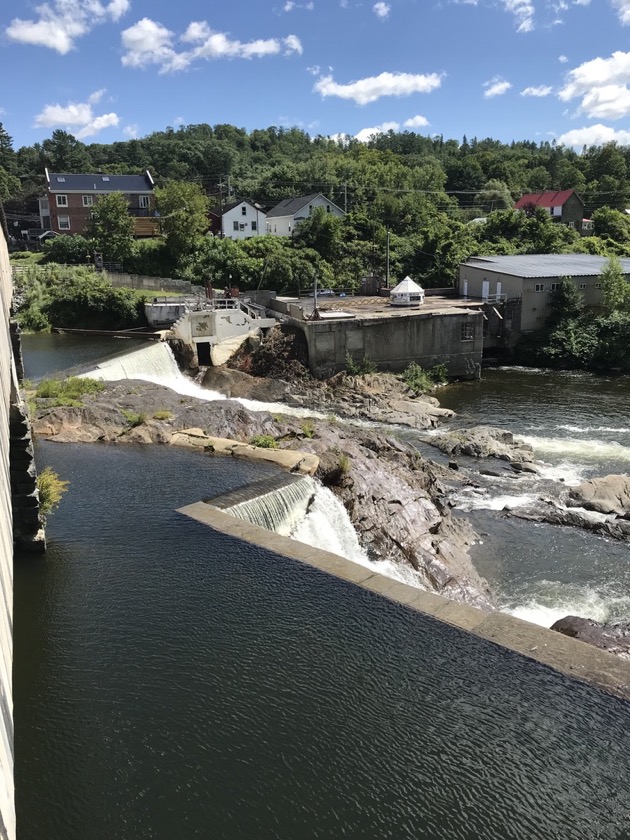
[
  {"x": 345, "y": 198},
  {"x": 387, "y": 261}
]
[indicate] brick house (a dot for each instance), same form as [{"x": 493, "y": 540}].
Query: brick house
[
  {"x": 565, "y": 206},
  {"x": 67, "y": 205}
]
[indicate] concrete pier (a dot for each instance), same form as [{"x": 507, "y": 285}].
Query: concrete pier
[{"x": 569, "y": 656}]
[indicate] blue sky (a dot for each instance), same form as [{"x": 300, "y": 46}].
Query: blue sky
[{"x": 109, "y": 70}]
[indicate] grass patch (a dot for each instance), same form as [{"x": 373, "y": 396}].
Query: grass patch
[
  {"x": 366, "y": 365},
  {"x": 308, "y": 428},
  {"x": 163, "y": 414},
  {"x": 68, "y": 392},
  {"x": 344, "y": 463},
  {"x": 264, "y": 441},
  {"x": 134, "y": 418},
  {"x": 51, "y": 489}
]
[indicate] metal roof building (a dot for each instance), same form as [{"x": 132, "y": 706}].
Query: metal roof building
[{"x": 544, "y": 265}]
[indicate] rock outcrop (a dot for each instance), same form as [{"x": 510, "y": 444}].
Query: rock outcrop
[
  {"x": 606, "y": 494},
  {"x": 486, "y": 442},
  {"x": 615, "y": 638},
  {"x": 395, "y": 498}
]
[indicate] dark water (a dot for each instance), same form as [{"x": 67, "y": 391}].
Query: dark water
[
  {"x": 48, "y": 353},
  {"x": 174, "y": 683}
]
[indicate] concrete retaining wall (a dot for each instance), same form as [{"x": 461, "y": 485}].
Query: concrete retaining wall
[
  {"x": 569, "y": 656},
  {"x": 8, "y": 395},
  {"x": 149, "y": 284},
  {"x": 452, "y": 337}
]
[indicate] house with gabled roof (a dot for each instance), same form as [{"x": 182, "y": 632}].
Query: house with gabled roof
[
  {"x": 238, "y": 220},
  {"x": 564, "y": 206},
  {"x": 70, "y": 197},
  {"x": 285, "y": 217}
]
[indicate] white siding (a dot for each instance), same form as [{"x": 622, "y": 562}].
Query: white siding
[{"x": 238, "y": 224}]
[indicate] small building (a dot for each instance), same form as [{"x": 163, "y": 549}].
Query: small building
[
  {"x": 565, "y": 206},
  {"x": 238, "y": 220},
  {"x": 285, "y": 217},
  {"x": 67, "y": 205},
  {"x": 530, "y": 278},
  {"x": 406, "y": 293}
]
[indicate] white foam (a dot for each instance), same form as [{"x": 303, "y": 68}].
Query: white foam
[
  {"x": 590, "y": 429},
  {"x": 582, "y": 450},
  {"x": 468, "y": 500}
]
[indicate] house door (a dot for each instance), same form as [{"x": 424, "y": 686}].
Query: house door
[
  {"x": 465, "y": 289},
  {"x": 498, "y": 289},
  {"x": 485, "y": 289}
]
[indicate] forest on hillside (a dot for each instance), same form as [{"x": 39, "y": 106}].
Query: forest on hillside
[{"x": 419, "y": 193}]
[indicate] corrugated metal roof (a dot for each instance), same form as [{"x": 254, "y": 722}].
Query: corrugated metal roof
[
  {"x": 73, "y": 182},
  {"x": 545, "y": 265},
  {"x": 545, "y": 199}
]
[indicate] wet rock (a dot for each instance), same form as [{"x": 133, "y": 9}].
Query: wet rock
[
  {"x": 606, "y": 494},
  {"x": 484, "y": 442},
  {"x": 615, "y": 638}
]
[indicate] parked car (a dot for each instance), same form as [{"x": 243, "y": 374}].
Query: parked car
[{"x": 323, "y": 293}]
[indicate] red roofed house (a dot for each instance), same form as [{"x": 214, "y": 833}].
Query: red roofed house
[{"x": 565, "y": 206}]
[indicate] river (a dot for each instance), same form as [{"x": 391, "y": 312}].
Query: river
[{"x": 171, "y": 682}]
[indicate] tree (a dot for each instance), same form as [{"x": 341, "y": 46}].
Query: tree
[
  {"x": 494, "y": 196},
  {"x": 7, "y": 155},
  {"x": 183, "y": 209},
  {"x": 615, "y": 289},
  {"x": 566, "y": 301},
  {"x": 112, "y": 227},
  {"x": 322, "y": 232},
  {"x": 64, "y": 153}
]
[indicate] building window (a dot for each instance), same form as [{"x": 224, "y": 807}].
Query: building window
[
  {"x": 88, "y": 200},
  {"x": 598, "y": 285},
  {"x": 571, "y": 224},
  {"x": 554, "y": 287},
  {"x": 143, "y": 201},
  {"x": 328, "y": 208},
  {"x": 582, "y": 286},
  {"x": 243, "y": 225},
  {"x": 61, "y": 179},
  {"x": 254, "y": 226},
  {"x": 468, "y": 331},
  {"x": 234, "y": 225},
  {"x": 105, "y": 177},
  {"x": 244, "y": 210},
  {"x": 539, "y": 287},
  {"x": 62, "y": 201},
  {"x": 64, "y": 222}
]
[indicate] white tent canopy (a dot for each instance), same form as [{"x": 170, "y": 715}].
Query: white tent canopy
[{"x": 406, "y": 293}]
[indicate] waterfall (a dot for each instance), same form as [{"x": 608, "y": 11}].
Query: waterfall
[
  {"x": 277, "y": 504},
  {"x": 156, "y": 363}
]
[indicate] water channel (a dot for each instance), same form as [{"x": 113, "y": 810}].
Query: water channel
[{"x": 171, "y": 682}]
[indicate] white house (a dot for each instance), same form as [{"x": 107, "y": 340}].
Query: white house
[
  {"x": 238, "y": 220},
  {"x": 406, "y": 293},
  {"x": 283, "y": 219}
]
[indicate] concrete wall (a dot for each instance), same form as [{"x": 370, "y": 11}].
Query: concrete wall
[
  {"x": 453, "y": 337},
  {"x": 8, "y": 394},
  {"x": 150, "y": 284}
]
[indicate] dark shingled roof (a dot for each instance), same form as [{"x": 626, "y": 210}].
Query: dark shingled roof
[
  {"x": 290, "y": 206},
  {"x": 100, "y": 182}
]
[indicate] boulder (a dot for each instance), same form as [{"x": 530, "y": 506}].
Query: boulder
[
  {"x": 484, "y": 442},
  {"x": 606, "y": 494},
  {"x": 615, "y": 638}
]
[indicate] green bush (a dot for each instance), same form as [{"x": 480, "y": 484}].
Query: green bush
[
  {"x": 68, "y": 392},
  {"x": 416, "y": 379},
  {"x": 134, "y": 418},
  {"x": 366, "y": 365},
  {"x": 264, "y": 441},
  {"x": 51, "y": 489}
]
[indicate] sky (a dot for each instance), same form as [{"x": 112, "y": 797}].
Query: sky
[{"x": 108, "y": 70}]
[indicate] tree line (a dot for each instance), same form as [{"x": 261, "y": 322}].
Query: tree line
[{"x": 412, "y": 196}]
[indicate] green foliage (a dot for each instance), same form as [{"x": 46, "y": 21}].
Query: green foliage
[
  {"x": 365, "y": 366},
  {"x": 62, "y": 296},
  {"x": 51, "y": 489},
  {"x": 566, "y": 301},
  {"x": 69, "y": 391},
  {"x": 134, "y": 418},
  {"x": 163, "y": 414},
  {"x": 344, "y": 463},
  {"x": 73, "y": 250},
  {"x": 421, "y": 381},
  {"x": 615, "y": 288},
  {"x": 112, "y": 227},
  {"x": 183, "y": 212},
  {"x": 307, "y": 428},
  {"x": 264, "y": 441}
]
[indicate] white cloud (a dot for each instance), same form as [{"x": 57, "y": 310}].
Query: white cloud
[
  {"x": 596, "y": 73},
  {"x": 496, "y": 87},
  {"x": 523, "y": 11},
  {"x": 60, "y": 24},
  {"x": 541, "y": 90},
  {"x": 77, "y": 117},
  {"x": 381, "y": 10},
  {"x": 609, "y": 102},
  {"x": 290, "y": 5},
  {"x": 623, "y": 10},
  {"x": 594, "y": 135},
  {"x": 149, "y": 42},
  {"x": 131, "y": 130},
  {"x": 562, "y": 59},
  {"x": 416, "y": 122},
  {"x": 366, "y": 134},
  {"x": 364, "y": 91}
]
